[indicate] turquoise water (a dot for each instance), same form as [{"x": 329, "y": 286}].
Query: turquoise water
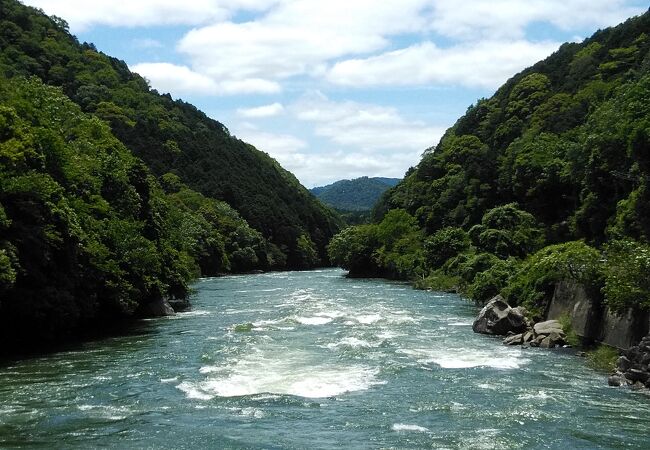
[{"x": 315, "y": 360}]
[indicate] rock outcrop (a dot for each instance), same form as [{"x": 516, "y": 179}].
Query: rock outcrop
[
  {"x": 158, "y": 308},
  {"x": 498, "y": 318},
  {"x": 633, "y": 366}
]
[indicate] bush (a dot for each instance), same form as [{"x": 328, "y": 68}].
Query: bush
[
  {"x": 571, "y": 337},
  {"x": 603, "y": 358},
  {"x": 490, "y": 282},
  {"x": 627, "y": 275},
  {"x": 444, "y": 244},
  {"x": 533, "y": 284}
]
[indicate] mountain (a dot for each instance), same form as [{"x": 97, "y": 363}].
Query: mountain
[
  {"x": 359, "y": 194},
  {"x": 113, "y": 198},
  {"x": 170, "y": 136},
  {"x": 548, "y": 179}
]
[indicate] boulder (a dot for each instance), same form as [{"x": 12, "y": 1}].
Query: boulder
[
  {"x": 158, "y": 308},
  {"x": 623, "y": 364},
  {"x": 637, "y": 375},
  {"x": 497, "y": 317},
  {"x": 556, "y": 339},
  {"x": 515, "y": 339},
  {"x": 528, "y": 336},
  {"x": 548, "y": 327},
  {"x": 617, "y": 380},
  {"x": 547, "y": 343}
]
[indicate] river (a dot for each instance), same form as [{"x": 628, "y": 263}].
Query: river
[{"x": 315, "y": 360}]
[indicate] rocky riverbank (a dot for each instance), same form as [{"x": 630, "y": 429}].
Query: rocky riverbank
[
  {"x": 499, "y": 318},
  {"x": 633, "y": 366}
]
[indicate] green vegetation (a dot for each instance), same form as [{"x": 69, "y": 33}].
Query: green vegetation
[
  {"x": 603, "y": 358},
  {"x": 571, "y": 337},
  {"x": 354, "y": 199},
  {"x": 548, "y": 180},
  {"x": 170, "y": 136}
]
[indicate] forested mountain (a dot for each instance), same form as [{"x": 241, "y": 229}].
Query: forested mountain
[
  {"x": 170, "y": 136},
  {"x": 548, "y": 179},
  {"x": 359, "y": 194},
  {"x": 112, "y": 196}
]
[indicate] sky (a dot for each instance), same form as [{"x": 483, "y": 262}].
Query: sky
[{"x": 335, "y": 89}]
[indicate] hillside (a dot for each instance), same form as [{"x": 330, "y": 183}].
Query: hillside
[
  {"x": 359, "y": 194},
  {"x": 546, "y": 180},
  {"x": 170, "y": 136}
]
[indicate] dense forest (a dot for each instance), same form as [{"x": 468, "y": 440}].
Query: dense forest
[
  {"x": 113, "y": 197},
  {"x": 547, "y": 180},
  {"x": 359, "y": 194}
]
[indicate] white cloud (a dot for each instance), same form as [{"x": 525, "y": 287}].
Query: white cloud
[
  {"x": 498, "y": 19},
  {"x": 364, "y": 127},
  {"x": 147, "y": 43},
  {"x": 485, "y": 64},
  {"x": 298, "y": 37},
  {"x": 178, "y": 80},
  {"x": 279, "y": 146},
  {"x": 271, "y": 110},
  {"x": 81, "y": 14}
]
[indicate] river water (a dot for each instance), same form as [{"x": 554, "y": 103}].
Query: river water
[{"x": 315, "y": 360}]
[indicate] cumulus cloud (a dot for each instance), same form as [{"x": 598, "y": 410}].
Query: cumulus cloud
[
  {"x": 485, "y": 64},
  {"x": 364, "y": 126},
  {"x": 166, "y": 77},
  {"x": 498, "y": 19},
  {"x": 271, "y": 110},
  {"x": 81, "y": 14},
  {"x": 298, "y": 37}
]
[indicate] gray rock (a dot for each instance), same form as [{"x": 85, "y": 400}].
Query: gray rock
[
  {"x": 159, "y": 308},
  {"x": 636, "y": 386},
  {"x": 497, "y": 317},
  {"x": 547, "y": 343},
  {"x": 556, "y": 338},
  {"x": 515, "y": 339},
  {"x": 616, "y": 380},
  {"x": 623, "y": 364},
  {"x": 528, "y": 336},
  {"x": 637, "y": 375},
  {"x": 548, "y": 327}
]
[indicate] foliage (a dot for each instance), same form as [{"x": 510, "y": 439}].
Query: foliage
[
  {"x": 627, "y": 274},
  {"x": 507, "y": 231},
  {"x": 603, "y": 358},
  {"x": 533, "y": 284},
  {"x": 391, "y": 248},
  {"x": 490, "y": 282},
  {"x": 444, "y": 244},
  {"x": 571, "y": 337}
]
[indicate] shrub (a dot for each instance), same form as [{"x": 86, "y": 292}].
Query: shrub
[
  {"x": 444, "y": 244},
  {"x": 627, "y": 275},
  {"x": 603, "y": 358},
  {"x": 534, "y": 282}
]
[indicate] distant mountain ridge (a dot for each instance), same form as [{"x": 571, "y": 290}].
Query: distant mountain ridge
[{"x": 359, "y": 194}]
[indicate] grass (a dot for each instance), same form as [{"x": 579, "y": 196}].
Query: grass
[
  {"x": 603, "y": 358},
  {"x": 571, "y": 337}
]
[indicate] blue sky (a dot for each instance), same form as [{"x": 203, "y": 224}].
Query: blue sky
[{"x": 335, "y": 89}]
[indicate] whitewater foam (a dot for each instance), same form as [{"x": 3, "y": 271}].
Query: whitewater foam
[
  {"x": 409, "y": 427},
  {"x": 450, "y": 358}
]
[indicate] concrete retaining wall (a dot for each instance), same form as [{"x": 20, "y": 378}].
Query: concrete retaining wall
[{"x": 594, "y": 322}]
